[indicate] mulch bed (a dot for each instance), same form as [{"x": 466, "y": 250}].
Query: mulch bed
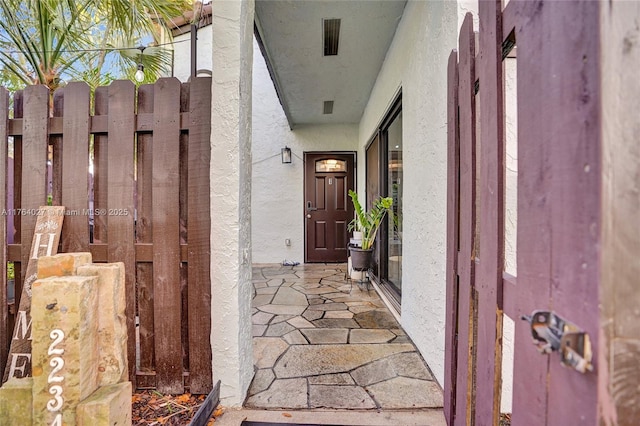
[{"x": 151, "y": 408}]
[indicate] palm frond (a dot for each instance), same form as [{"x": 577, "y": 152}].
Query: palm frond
[{"x": 46, "y": 40}]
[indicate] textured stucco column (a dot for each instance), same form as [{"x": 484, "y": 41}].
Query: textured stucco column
[{"x": 231, "y": 198}]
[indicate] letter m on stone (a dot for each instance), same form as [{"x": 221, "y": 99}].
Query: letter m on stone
[{"x": 23, "y": 326}]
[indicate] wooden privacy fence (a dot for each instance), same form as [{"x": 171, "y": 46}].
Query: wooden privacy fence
[
  {"x": 558, "y": 209},
  {"x": 132, "y": 171}
]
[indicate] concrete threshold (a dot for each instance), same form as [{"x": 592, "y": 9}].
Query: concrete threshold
[{"x": 422, "y": 417}]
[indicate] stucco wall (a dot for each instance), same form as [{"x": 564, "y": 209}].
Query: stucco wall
[
  {"x": 468, "y": 6},
  {"x": 417, "y": 62},
  {"x": 510, "y": 221},
  {"x": 230, "y": 199},
  {"x": 182, "y": 53},
  {"x": 277, "y": 189}
]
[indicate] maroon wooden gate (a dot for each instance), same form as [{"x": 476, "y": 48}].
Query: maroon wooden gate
[
  {"x": 150, "y": 209},
  {"x": 558, "y": 201}
]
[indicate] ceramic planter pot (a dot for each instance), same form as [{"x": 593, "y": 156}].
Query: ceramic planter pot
[{"x": 361, "y": 260}]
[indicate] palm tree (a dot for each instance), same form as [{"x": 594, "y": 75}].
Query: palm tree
[{"x": 46, "y": 41}]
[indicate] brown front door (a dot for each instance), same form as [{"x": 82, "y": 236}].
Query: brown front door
[{"x": 328, "y": 177}]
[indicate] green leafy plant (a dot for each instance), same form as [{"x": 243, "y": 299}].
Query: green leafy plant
[
  {"x": 11, "y": 272},
  {"x": 50, "y": 41},
  {"x": 368, "y": 222}
]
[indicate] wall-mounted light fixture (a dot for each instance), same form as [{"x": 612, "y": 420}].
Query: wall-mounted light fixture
[{"x": 286, "y": 155}]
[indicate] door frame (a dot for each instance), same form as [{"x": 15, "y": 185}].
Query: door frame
[{"x": 305, "y": 155}]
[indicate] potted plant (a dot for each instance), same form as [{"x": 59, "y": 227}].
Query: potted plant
[{"x": 368, "y": 223}]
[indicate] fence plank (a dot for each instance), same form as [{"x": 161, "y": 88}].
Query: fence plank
[
  {"x": 569, "y": 102},
  {"x": 54, "y": 172},
  {"x": 144, "y": 234},
  {"x": 18, "y": 111},
  {"x": 4, "y": 307},
  {"x": 490, "y": 216},
  {"x": 100, "y": 167},
  {"x": 120, "y": 209},
  {"x": 533, "y": 246},
  {"x": 32, "y": 171},
  {"x": 453, "y": 168},
  {"x": 166, "y": 235},
  {"x": 466, "y": 263},
  {"x": 199, "y": 231},
  {"x": 75, "y": 159},
  {"x": 184, "y": 278},
  {"x": 34, "y": 162}
]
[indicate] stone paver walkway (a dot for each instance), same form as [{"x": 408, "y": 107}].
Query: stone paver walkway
[{"x": 319, "y": 343}]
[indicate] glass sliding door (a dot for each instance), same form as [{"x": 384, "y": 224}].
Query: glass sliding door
[
  {"x": 385, "y": 178},
  {"x": 394, "y": 190}
]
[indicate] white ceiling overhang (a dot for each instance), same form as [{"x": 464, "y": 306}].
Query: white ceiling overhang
[{"x": 291, "y": 38}]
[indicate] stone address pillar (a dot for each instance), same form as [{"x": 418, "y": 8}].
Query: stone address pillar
[
  {"x": 112, "y": 321},
  {"x": 64, "y": 347}
]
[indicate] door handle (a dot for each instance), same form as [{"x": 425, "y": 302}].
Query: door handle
[
  {"x": 309, "y": 208},
  {"x": 309, "y": 216}
]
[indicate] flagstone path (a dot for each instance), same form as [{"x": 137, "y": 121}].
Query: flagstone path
[{"x": 321, "y": 343}]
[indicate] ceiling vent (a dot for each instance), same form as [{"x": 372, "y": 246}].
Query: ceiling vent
[
  {"x": 328, "y": 107},
  {"x": 331, "y": 36}
]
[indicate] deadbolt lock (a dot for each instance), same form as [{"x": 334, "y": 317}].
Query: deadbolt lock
[{"x": 551, "y": 333}]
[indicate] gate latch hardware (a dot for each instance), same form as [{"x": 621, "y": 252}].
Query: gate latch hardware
[{"x": 552, "y": 333}]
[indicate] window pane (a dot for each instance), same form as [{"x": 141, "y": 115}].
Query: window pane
[
  {"x": 394, "y": 248},
  {"x": 331, "y": 166}
]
